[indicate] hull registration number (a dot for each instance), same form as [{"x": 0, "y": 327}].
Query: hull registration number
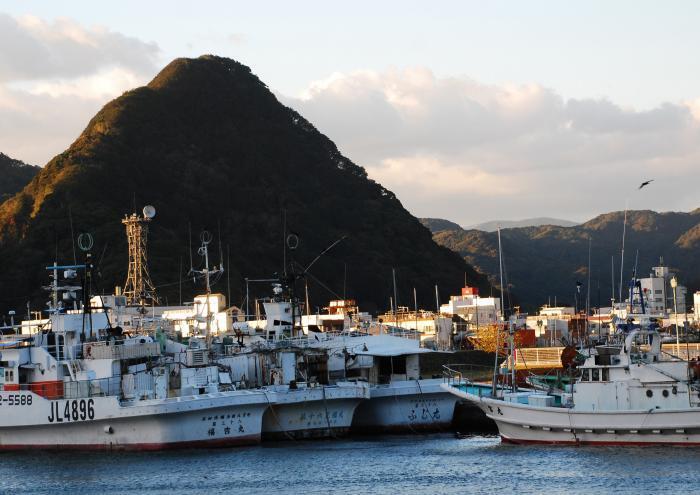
[{"x": 72, "y": 410}]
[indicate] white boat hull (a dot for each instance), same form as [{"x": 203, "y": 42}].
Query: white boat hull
[
  {"x": 318, "y": 412},
  {"x": 405, "y": 407},
  {"x": 525, "y": 424},
  {"x": 102, "y": 423}
]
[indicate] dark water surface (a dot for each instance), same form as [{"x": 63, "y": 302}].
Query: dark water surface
[{"x": 386, "y": 465}]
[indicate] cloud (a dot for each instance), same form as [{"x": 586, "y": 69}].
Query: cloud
[
  {"x": 469, "y": 151},
  {"x": 54, "y": 76},
  {"x": 34, "y": 49}
]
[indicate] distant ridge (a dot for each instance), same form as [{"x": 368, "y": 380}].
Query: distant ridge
[
  {"x": 14, "y": 175},
  {"x": 548, "y": 260},
  {"x": 439, "y": 224},
  {"x": 493, "y": 225}
]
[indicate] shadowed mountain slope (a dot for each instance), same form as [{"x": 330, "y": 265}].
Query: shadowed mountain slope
[
  {"x": 210, "y": 146},
  {"x": 14, "y": 175}
]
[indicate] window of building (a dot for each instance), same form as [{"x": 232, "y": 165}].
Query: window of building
[
  {"x": 585, "y": 376},
  {"x": 595, "y": 375},
  {"x": 606, "y": 374}
]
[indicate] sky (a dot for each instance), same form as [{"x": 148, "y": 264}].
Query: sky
[{"x": 468, "y": 110}]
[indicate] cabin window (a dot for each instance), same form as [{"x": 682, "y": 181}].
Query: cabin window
[
  {"x": 385, "y": 365},
  {"x": 595, "y": 375},
  {"x": 606, "y": 374},
  {"x": 585, "y": 376},
  {"x": 60, "y": 344},
  {"x": 399, "y": 365}
]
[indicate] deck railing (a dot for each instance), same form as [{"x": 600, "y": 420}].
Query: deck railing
[
  {"x": 464, "y": 373},
  {"x": 100, "y": 387},
  {"x": 118, "y": 350},
  {"x": 550, "y": 357},
  {"x": 81, "y": 389}
]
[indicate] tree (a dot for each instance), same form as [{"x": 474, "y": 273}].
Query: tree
[{"x": 488, "y": 337}]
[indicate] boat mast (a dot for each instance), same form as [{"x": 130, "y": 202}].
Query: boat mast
[
  {"x": 500, "y": 269},
  {"x": 396, "y": 314},
  {"x": 208, "y": 285},
  {"x": 612, "y": 282},
  {"x": 203, "y": 251},
  {"x": 588, "y": 291},
  {"x": 622, "y": 257}
]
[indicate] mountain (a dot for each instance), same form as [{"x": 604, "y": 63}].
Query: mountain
[
  {"x": 493, "y": 225},
  {"x": 15, "y": 175},
  {"x": 547, "y": 261},
  {"x": 439, "y": 224},
  {"x": 210, "y": 147}
]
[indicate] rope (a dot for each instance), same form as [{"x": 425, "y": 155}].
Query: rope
[
  {"x": 573, "y": 430},
  {"x": 277, "y": 419},
  {"x": 410, "y": 426},
  {"x": 432, "y": 417},
  {"x": 325, "y": 406}
]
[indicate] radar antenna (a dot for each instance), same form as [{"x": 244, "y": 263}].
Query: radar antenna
[{"x": 207, "y": 273}]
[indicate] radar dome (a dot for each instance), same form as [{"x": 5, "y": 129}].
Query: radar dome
[{"x": 149, "y": 211}]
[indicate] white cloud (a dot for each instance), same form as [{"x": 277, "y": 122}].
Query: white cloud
[
  {"x": 34, "y": 49},
  {"x": 54, "y": 76},
  {"x": 469, "y": 151},
  {"x": 100, "y": 85}
]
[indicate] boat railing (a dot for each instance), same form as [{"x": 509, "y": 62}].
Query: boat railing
[
  {"x": 536, "y": 357},
  {"x": 291, "y": 342},
  {"x": 455, "y": 374},
  {"x": 684, "y": 351},
  {"x": 119, "y": 350},
  {"x": 100, "y": 387},
  {"x": 81, "y": 389},
  {"x": 550, "y": 357}
]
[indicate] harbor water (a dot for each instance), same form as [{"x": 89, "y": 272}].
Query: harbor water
[{"x": 385, "y": 465}]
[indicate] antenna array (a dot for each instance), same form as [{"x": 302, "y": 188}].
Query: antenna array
[{"x": 138, "y": 288}]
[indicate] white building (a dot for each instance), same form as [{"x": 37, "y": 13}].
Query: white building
[
  {"x": 658, "y": 294},
  {"x": 551, "y": 323},
  {"x": 654, "y": 290},
  {"x": 433, "y": 331},
  {"x": 341, "y": 314},
  {"x": 473, "y": 308}
]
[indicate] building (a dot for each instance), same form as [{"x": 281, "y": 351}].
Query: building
[
  {"x": 654, "y": 290},
  {"x": 339, "y": 315},
  {"x": 551, "y": 323},
  {"x": 472, "y": 308}
]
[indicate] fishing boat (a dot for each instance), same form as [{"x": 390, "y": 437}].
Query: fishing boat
[
  {"x": 77, "y": 382},
  {"x": 308, "y": 402},
  {"x": 260, "y": 355},
  {"x": 628, "y": 392},
  {"x": 392, "y": 374},
  {"x": 404, "y": 396}
]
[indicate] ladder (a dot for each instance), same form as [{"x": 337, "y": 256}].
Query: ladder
[{"x": 74, "y": 367}]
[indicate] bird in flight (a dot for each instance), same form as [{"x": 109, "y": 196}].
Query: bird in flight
[{"x": 646, "y": 183}]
